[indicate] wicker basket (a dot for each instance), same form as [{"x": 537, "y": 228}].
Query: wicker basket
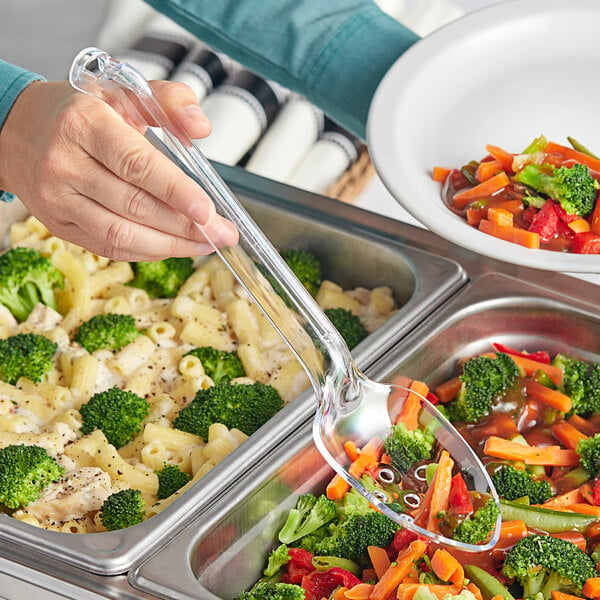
[{"x": 348, "y": 187}]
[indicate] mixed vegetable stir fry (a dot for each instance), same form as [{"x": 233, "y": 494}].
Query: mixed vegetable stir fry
[
  {"x": 544, "y": 197},
  {"x": 534, "y": 419}
]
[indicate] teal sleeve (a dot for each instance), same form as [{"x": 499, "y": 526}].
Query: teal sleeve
[
  {"x": 13, "y": 80},
  {"x": 334, "y": 52}
]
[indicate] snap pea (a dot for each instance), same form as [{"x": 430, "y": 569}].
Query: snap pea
[
  {"x": 488, "y": 584},
  {"x": 549, "y": 521}
]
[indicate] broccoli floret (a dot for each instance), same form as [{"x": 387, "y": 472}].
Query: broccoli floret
[
  {"x": 24, "y": 472},
  {"x": 581, "y": 382},
  {"x": 26, "y": 355},
  {"x": 310, "y": 513},
  {"x": 122, "y": 509},
  {"x": 170, "y": 479},
  {"x": 512, "y": 483},
  {"x": 307, "y": 268},
  {"x": 107, "y": 332},
  {"x": 352, "y": 534},
  {"x": 348, "y": 324},
  {"x": 542, "y": 563},
  {"x": 221, "y": 366},
  {"x": 162, "y": 278},
  {"x": 589, "y": 454},
  {"x": 26, "y": 278},
  {"x": 118, "y": 413},
  {"x": 573, "y": 187},
  {"x": 484, "y": 381},
  {"x": 266, "y": 590},
  {"x": 240, "y": 406},
  {"x": 476, "y": 528},
  {"x": 405, "y": 447},
  {"x": 277, "y": 559}
]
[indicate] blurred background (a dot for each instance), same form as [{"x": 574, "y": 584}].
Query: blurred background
[{"x": 45, "y": 35}]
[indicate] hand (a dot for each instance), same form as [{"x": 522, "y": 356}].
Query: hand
[{"x": 95, "y": 181}]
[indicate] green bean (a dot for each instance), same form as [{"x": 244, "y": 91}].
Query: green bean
[
  {"x": 487, "y": 583},
  {"x": 549, "y": 521}
]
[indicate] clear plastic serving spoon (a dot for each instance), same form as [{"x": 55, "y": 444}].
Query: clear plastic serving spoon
[{"x": 351, "y": 407}]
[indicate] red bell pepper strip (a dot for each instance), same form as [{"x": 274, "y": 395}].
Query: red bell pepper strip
[
  {"x": 596, "y": 492},
  {"x": 299, "y": 565},
  {"x": 586, "y": 243},
  {"x": 541, "y": 355},
  {"x": 432, "y": 398},
  {"x": 545, "y": 222},
  {"x": 402, "y": 539},
  {"x": 459, "y": 499},
  {"x": 564, "y": 215},
  {"x": 320, "y": 584}
]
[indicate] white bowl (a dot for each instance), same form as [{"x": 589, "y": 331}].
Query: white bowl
[{"x": 502, "y": 75}]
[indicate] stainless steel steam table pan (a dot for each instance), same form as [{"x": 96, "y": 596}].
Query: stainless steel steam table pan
[
  {"x": 353, "y": 256},
  {"x": 224, "y": 552}
]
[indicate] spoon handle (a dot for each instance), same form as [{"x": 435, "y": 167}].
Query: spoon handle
[{"x": 125, "y": 89}]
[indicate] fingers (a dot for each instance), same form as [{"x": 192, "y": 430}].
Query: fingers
[
  {"x": 180, "y": 104},
  {"x": 134, "y": 203},
  {"x": 106, "y": 234}
]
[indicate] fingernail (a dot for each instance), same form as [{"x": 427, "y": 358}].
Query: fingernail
[{"x": 195, "y": 112}]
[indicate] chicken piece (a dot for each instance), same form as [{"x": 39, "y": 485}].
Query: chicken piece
[{"x": 74, "y": 495}]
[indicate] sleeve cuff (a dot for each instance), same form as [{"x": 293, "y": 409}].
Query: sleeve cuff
[{"x": 6, "y": 196}]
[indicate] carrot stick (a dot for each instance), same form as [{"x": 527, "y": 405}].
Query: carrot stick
[
  {"x": 548, "y": 396},
  {"x": 529, "y": 239},
  {"x": 361, "y": 591},
  {"x": 591, "y": 588},
  {"x": 447, "y": 568},
  {"x": 575, "y": 537},
  {"x": 481, "y": 190},
  {"x": 379, "y": 559},
  {"x": 579, "y": 225},
  {"x": 500, "y": 216},
  {"x": 352, "y": 452},
  {"x": 500, "y": 448},
  {"x": 557, "y": 595},
  {"x": 411, "y": 409},
  {"x": 370, "y": 453},
  {"x": 448, "y": 390},
  {"x": 584, "y": 509},
  {"x": 587, "y": 493},
  {"x": 391, "y": 579},
  {"x": 563, "y": 500},
  {"x": 505, "y": 158},
  {"x": 436, "y": 497},
  {"x": 440, "y": 174},
  {"x": 475, "y": 213},
  {"x": 511, "y": 532},
  {"x": 487, "y": 169},
  {"x": 551, "y": 456},
  {"x": 339, "y": 593},
  {"x": 407, "y": 591},
  {"x": 530, "y": 366},
  {"x": 475, "y": 591},
  {"x": 584, "y": 159},
  {"x": 567, "y": 435},
  {"x": 337, "y": 487},
  {"x": 584, "y": 426}
]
